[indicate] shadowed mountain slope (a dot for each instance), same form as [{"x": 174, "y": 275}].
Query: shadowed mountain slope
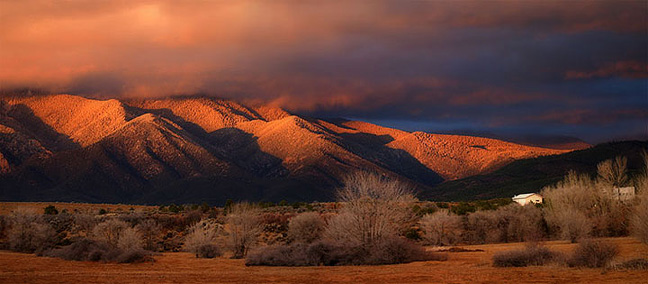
[
  {"x": 531, "y": 175},
  {"x": 192, "y": 149}
]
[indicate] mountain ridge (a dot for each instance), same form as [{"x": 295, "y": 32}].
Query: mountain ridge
[{"x": 132, "y": 150}]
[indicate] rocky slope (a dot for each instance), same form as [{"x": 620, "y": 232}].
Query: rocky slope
[{"x": 189, "y": 149}]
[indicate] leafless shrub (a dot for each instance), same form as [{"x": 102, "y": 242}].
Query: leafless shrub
[
  {"x": 134, "y": 256},
  {"x": 29, "y": 233},
  {"x": 592, "y": 253},
  {"x": 282, "y": 255},
  {"x": 61, "y": 223},
  {"x": 132, "y": 218},
  {"x": 525, "y": 223},
  {"x": 86, "y": 250},
  {"x": 130, "y": 240},
  {"x": 374, "y": 208},
  {"x": 389, "y": 251},
  {"x": 574, "y": 225},
  {"x": 244, "y": 227},
  {"x": 613, "y": 172},
  {"x": 394, "y": 250},
  {"x": 441, "y": 228},
  {"x": 150, "y": 231},
  {"x": 639, "y": 220},
  {"x": 633, "y": 264},
  {"x": 532, "y": 255},
  {"x": 83, "y": 224},
  {"x": 201, "y": 240},
  {"x": 306, "y": 227},
  {"x": 192, "y": 217},
  {"x": 109, "y": 231},
  {"x": 578, "y": 206},
  {"x": 479, "y": 228},
  {"x": 92, "y": 250}
]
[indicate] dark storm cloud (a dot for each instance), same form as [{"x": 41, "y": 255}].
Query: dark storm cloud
[{"x": 565, "y": 67}]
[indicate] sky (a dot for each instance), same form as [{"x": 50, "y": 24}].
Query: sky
[{"x": 572, "y": 68}]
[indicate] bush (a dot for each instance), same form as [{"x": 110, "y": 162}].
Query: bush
[
  {"x": 91, "y": 250},
  {"x": 200, "y": 240},
  {"x": 130, "y": 240},
  {"x": 208, "y": 251},
  {"x": 441, "y": 228},
  {"x": 639, "y": 221},
  {"x": 633, "y": 264},
  {"x": 244, "y": 224},
  {"x": 591, "y": 253},
  {"x": 51, "y": 210},
  {"x": 83, "y": 224},
  {"x": 283, "y": 255},
  {"x": 109, "y": 231},
  {"x": 521, "y": 223},
  {"x": 480, "y": 228},
  {"x": 532, "y": 255},
  {"x": 29, "y": 233},
  {"x": 330, "y": 253},
  {"x": 150, "y": 231},
  {"x": 306, "y": 227},
  {"x": 398, "y": 250}
]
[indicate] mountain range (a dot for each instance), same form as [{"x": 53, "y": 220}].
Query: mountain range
[{"x": 195, "y": 149}]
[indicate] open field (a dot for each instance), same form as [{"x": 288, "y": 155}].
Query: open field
[
  {"x": 465, "y": 267},
  {"x": 38, "y": 207}
]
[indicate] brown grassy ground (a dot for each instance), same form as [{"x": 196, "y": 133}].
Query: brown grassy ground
[
  {"x": 465, "y": 267},
  {"x": 39, "y": 207}
]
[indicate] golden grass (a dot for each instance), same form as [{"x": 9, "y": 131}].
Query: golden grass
[{"x": 465, "y": 267}]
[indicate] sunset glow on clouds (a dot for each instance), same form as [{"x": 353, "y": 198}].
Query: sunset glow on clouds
[{"x": 574, "y": 68}]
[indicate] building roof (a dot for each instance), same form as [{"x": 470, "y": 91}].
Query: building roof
[{"x": 524, "y": 195}]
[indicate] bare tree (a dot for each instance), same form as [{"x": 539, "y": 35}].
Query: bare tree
[
  {"x": 375, "y": 208},
  {"x": 29, "y": 233},
  {"x": 244, "y": 226},
  {"x": 441, "y": 228},
  {"x": 109, "y": 231},
  {"x": 613, "y": 172},
  {"x": 150, "y": 231},
  {"x": 130, "y": 239},
  {"x": 306, "y": 227}
]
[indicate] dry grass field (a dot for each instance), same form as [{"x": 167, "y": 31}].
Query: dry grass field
[
  {"x": 37, "y": 207},
  {"x": 463, "y": 267}
]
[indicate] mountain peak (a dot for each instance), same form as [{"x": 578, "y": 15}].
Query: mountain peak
[{"x": 190, "y": 149}]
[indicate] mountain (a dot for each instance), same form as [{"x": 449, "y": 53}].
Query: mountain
[
  {"x": 194, "y": 149},
  {"x": 531, "y": 175}
]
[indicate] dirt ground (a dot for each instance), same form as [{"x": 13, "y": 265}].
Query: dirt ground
[{"x": 462, "y": 267}]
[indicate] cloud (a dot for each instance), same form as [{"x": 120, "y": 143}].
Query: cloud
[
  {"x": 481, "y": 61},
  {"x": 625, "y": 69}
]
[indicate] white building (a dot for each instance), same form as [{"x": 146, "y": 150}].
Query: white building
[
  {"x": 623, "y": 193},
  {"x": 526, "y": 198}
]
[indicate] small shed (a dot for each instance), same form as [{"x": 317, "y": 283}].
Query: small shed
[{"x": 526, "y": 198}]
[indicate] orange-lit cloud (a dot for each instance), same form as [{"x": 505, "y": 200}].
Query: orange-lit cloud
[{"x": 474, "y": 60}]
